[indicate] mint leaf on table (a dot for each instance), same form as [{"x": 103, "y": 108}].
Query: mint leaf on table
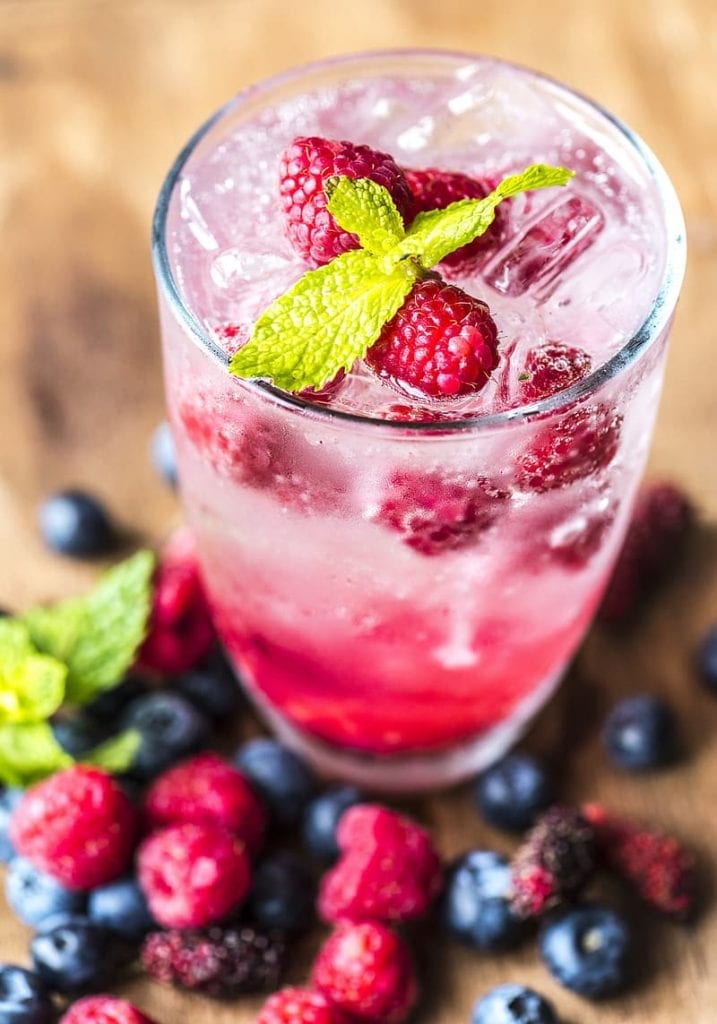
[
  {"x": 98, "y": 636},
  {"x": 437, "y": 233},
  {"x": 116, "y": 754},
  {"x": 32, "y": 685},
  {"x": 325, "y": 322},
  {"x": 29, "y": 752},
  {"x": 366, "y": 209}
]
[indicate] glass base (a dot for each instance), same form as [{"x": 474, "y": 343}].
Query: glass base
[{"x": 409, "y": 773}]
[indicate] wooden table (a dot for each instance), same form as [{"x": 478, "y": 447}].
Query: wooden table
[{"x": 95, "y": 99}]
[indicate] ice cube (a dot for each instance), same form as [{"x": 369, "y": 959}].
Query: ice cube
[
  {"x": 194, "y": 219},
  {"x": 546, "y": 247}
]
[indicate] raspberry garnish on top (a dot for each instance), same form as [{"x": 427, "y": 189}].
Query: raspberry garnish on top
[
  {"x": 306, "y": 165},
  {"x": 434, "y": 189},
  {"x": 441, "y": 343}
]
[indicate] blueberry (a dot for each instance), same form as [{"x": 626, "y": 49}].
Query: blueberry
[
  {"x": 513, "y": 1004},
  {"x": 170, "y": 728},
  {"x": 282, "y": 894},
  {"x": 74, "y": 955},
  {"x": 35, "y": 896},
  {"x": 121, "y": 907},
  {"x": 109, "y": 706},
  {"x": 9, "y": 799},
  {"x": 213, "y": 689},
  {"x": 586, "y": 948},
  {"x": 74, "y": 523},
  {"x": 24, "y": 998},
  {"x": 513, "y": 792},
  {"x": 641, "y": 733},
  {"x": 285, "y": 782},
  {"x": 78, "y": 734},
  {"x": 707, "y": 659},
  {"x": 164, "y": 456},
  {"x": 475, "y": 907},
  {"x": 322, "y": 818}
]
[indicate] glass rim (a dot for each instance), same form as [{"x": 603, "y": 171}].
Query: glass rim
[{"x": 651, "y": 328}]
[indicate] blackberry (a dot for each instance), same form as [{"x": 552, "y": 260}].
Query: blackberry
[{"x": 218, "y": 962}]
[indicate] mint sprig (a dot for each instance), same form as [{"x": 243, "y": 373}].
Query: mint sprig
[
  {"x": 332, "y": 315},
  {"x": 98, "y": 636},
  {"x": 67, "y": 654}
]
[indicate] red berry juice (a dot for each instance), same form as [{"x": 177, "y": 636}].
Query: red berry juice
[{"x": 401, "y": 582}]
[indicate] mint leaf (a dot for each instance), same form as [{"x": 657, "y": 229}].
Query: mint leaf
[
  {"x": 366, "y": 209},
  {"x": 437, "y": 233},
  {"x": 32, "y": 685},
  {"x": 117, "y": 754},
  {"x": 325, "y": 322},
  {"x": 29, "y": 752},
  {"x": 98, "y": 636}
]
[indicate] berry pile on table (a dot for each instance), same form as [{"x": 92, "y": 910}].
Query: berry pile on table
[{"x": 206, "y": 868}]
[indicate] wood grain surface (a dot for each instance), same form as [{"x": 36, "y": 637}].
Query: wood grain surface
[{"x": 95, "y": 100}]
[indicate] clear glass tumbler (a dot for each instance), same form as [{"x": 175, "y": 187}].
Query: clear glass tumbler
[{"x": 387, "y": 648}]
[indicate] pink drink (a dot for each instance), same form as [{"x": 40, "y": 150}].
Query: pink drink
[{"x": 401, "y": 596}]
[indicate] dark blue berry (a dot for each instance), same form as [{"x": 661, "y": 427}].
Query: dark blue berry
[
  {"x": 513, "y": 1004},
  {"x": 282, "y": 894},
  {"x": 586, "y": 949},
  {"x": 513, "y": 792},
  {"x": 9, "y": 799},
  {"x": 641, "y": 733},
  {"x": 78, "y": 734},
  {"x": 284, "y": 781},
  {"x": 213, "y": 689},
  {"x": 74, "y": 523},
  {"x": 476, "y": 902},
  {"x": 35, "y": 896},
  {"x": 109, "y": 706},
  {"x": 24, "y": 999},
  {"x": 164, "y": 456},
  {"x": 170, "y": 728},
  {"x": 322, "y": 818},
  {"x": 707, "y": 659},
  {"x": 121, "y": 907},
  {"x": 75, "y": 955}
]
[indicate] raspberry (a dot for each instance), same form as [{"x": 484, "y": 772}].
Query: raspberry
[
  {"x": 299, "y": 1006},
  {"x": 104, "y": 1010},
  {"x": 434, "y": 190},
  {"x": 365, "y": 970},
  {"x": 193, "y": 875},
  {"x": 305, "y": 167},
  {"x": 657, "y": 866},
  {"x": 573, "y": 544},
  {"x": 389, "y": 869},
  {"x": 399, "y": 412},
  {"x": 77, "y": 826},
  {"x": 661, "y": 520},
  {"x": 578, "y": 446},
  {"x": 435, "y": 513},
  {"x": 326, "y": 394},
  {"x": 551, "y": 368},
  {"x": 207, "y": 789},
  {"x": 254, "y": 452},
  {"x": 218, "y": 962},
  {"x": 181, "y": 633},
  {"x": 555, "y": 860},
  {"x": 441, "y": 343}
]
